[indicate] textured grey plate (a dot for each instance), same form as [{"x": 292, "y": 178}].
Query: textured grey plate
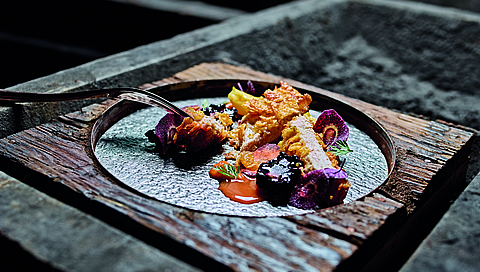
[{"x": 183, "y": 180}]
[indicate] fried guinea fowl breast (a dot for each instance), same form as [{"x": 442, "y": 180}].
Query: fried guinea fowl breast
[
  {"x": 202, "y": 132},
  {"x": 300, "y": 139},
  {"x": 267, "y": 116}
]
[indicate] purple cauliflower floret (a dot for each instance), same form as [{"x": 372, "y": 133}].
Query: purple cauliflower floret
[
  {"x": 311, "y": 190},
  {"x": 165, "y": 130}
]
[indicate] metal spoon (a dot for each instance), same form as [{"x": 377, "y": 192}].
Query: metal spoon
[{"x": 128, "y": 93}]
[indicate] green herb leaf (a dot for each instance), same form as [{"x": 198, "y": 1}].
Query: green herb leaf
[
  {"x": 341, "y": 148},
  {"x": 205, "y": 104},
  {"x": 228, "y": 170}
]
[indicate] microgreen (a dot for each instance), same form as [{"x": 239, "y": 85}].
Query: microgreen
[
  {"x": 340, "y": 148},
  {"x": 228, "y": 170},
  {"x": 205, "y": 104}
]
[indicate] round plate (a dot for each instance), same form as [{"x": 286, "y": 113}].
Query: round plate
[{"x": 124, "y": 151}]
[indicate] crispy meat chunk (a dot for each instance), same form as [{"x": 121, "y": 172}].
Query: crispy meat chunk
[{"x": 267, "y": 116}]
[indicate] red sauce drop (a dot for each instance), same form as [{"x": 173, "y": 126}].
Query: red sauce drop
[{"x": 243, "y": 190}]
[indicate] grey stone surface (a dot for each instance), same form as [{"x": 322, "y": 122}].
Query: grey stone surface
[
  {"x": 407, "y": 56},
  {"x": 453, "y": 243},
  {"x": 68, "y": 239}
]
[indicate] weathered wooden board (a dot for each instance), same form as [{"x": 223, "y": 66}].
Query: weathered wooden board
[{"x": 430, "y": 155}]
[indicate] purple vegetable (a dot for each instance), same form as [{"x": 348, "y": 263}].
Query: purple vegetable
[
  {"x": 166, "y": 129},
  {"x": 335, "y": 173},
  {"x": 250, "y": 88},
  {"x": 240, "y": 86},
  {"x": 332, "y": 126},
  {"x": 311, "y": 190}
]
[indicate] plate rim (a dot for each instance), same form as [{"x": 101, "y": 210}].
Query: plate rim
[{"x": 349, "y": 113}]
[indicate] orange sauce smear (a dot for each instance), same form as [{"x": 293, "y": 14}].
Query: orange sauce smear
[{"x": 243, "y": 190}]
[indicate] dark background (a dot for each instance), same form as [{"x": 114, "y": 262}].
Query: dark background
[{"x": 38, "y": 38}]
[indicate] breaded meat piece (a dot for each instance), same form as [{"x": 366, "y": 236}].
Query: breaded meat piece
[
  {"x": 267, "y": 116},
  {"x": 299, "y": 138}
]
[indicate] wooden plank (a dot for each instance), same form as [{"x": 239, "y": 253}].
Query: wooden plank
[
  {"x": 319, "y": 241},
  {"x": 56, "y": 150}
]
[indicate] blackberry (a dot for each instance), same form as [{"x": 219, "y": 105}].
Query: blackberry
[
  {"x": 212, "y": 108},
  {"x": 280, "y": 174}
]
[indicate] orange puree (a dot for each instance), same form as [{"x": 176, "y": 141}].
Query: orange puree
[{"x": 243, "y": 190}]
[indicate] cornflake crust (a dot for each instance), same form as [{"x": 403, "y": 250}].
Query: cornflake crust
[
  {"x": 300, "y": 139},
  {"x": 267, "y": 116}
]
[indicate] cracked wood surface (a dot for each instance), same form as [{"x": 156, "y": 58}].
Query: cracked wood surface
[{"x": 428, "y": 154}]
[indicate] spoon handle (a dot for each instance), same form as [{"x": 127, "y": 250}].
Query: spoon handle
[{"x": 128, "y": 93}]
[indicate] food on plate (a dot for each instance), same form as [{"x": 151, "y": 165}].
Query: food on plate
[
  {"x": 265, "y": 116},
  {"x": 320, "y": 188},
  {"x": 299, "y": 138},
  {"x": 279, "y": 174},
  {"x": 199, "y": 133},
  {"x": 203, "y": 131},
  {"x": 282, "y": 154},
  {"x": 252, "y": 160},
  {"x": 331, "y": 127}
]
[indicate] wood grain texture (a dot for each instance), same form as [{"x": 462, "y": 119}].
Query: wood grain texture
[{"x": 429, "y": 155}]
